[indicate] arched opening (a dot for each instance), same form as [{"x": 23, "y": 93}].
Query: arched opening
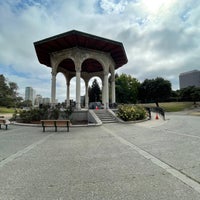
[
  {"x": 91, "y": 66},
  {"x": 60, "y": 88},
  {"x": 67, "y": 64},
  {"x": 92, "y": 82}
]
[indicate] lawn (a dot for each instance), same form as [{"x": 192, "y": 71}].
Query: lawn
[
  {"x": 168, "y": 107},
  {"x": 4, "y": 110},
  {"x": 173, "y": 106}
]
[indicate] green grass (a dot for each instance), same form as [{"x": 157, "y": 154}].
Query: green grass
[
  {"x": 173, "y": 106},
  {"x": 4, "y": 110},
  {"x": 168, "y": 107}
]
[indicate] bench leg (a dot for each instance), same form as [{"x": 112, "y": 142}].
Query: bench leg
[
  {"x": 67, "y": 126},
  {"x": 0, "y": 126},
  {"x": 6, "y": 126},
  {"x": 43, "y": 128},
  {"x": 55, "y": 128}
]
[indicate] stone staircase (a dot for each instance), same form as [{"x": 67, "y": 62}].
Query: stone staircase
[{"x": 105, "y": 116}]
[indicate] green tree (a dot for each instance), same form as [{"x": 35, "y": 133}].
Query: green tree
[
  {"x": 195, "y": 94},
  {"x": 190, "y": 93},
  {"x": 175, "y": 96},
  {"x": 155, "y": 90},
  {"x": 3, "y": 90},
  {"x": 94, "y": 92},
  {"x": 26, "y": 103},
  {"x": 126, "y": 89},
  {"x": 8, "y": 92}
]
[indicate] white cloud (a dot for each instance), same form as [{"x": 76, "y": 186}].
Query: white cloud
[
  {"x": 113, "y": 6},
  {"x": 161, "y": 38}
]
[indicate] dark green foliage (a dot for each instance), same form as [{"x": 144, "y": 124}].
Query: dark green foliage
[
  {"x": 126, "y": 89},
  {"x": 67, "y": 112},
  {"x": 32, "y": 115},
  {"x": 44, "y": 112},
  {"x": 26, "y": 103},
  {"x": 4, "y": 91},
  {"x": 25, "y": 116},
  {"x": 94, "y": 92},
  {"x": 155, "y": 90},
  {"x": 190, "y": 93},
  {"x": 8, "y": 93},
  {"x": 54, "y": 113}
]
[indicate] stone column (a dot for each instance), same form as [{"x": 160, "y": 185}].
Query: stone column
[
  {"x": 86, "y": 95},
  {"x": 53, "y": 79},
  {"x": 103, "y": 93},
  {"x": 78, "y": 88},
  {"x": 106, "y": 92},
  {"x": 53, "y": 88},
  {"x": 113, "y": 90},
  {"x": 68, "y": 93}
]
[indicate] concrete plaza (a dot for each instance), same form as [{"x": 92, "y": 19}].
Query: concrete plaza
[{"x": 152, "y": 160}]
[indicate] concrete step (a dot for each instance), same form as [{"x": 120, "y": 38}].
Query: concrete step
[{"x": 105, "y": 116}]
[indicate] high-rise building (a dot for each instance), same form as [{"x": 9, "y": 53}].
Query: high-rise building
[
  {"x": 191, "y": 78},
  {"x": 38, "y": 100},
  {"x": 30, "y": 94},
  {"x": 46, "y": 100}
]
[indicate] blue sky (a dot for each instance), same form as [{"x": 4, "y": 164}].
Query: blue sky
[{"x": 161, "y": 37}]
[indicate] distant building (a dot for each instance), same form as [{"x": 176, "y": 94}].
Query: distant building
[
  {"x": 38, "y": 100},
  {"x": 46, "y": 100},
  {"x": 30, "y": 94},
  {"x": 191, "y": 78}
]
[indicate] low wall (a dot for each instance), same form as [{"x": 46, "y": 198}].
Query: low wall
[
  {"x": 93, "y": 119},
  {"x": 85, "y": 116},
  {"x": 81, "y": 115}
]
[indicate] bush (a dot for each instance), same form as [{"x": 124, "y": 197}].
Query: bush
[
  {"x": 66, "y": 113},
  {"x": 28, "y": 116},
  {"x": 131, "y": 113},
  {"x": 25, "y": 116},
  {"x": 44, "y": 112},
  {"x": 54, "y": 113}
]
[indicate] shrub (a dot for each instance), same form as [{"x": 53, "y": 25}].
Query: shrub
[
  {"x": 28, "y": 116},
  {"x": 25, "y": 116},
  {"x": 131, "y": 113},
  {"x": 44, "y": 112},
  {"x": 66, "y": 113},
  {"x": 54, "y": 113}
]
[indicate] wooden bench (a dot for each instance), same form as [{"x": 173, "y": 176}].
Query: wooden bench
[
  {"x": 55, "y": 123},
  {"x": 4, "y": 122}
]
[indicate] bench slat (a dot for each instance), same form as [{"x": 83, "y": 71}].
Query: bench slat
[
  {"x": 62, "y": 123},
  {"x": 49, "y": 123},
  {"x": 2, "y": 121},
  {"x": 55, "y": 123}
]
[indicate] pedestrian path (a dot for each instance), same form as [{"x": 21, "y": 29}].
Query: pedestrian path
[{"x": 156, "y": 120}]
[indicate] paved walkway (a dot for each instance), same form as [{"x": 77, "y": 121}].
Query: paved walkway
[{"x": 153, "y": 160}]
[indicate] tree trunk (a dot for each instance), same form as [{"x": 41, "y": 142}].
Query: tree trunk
[{"x": 157, "y": 104}]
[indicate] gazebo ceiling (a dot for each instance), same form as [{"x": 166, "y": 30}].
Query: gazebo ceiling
[
  {"x": 89, "y": 65},
  {"x": 79, "y": 39}
]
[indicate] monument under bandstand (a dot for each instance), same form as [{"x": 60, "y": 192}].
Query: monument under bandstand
[{"x": 81, "y": 55}]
